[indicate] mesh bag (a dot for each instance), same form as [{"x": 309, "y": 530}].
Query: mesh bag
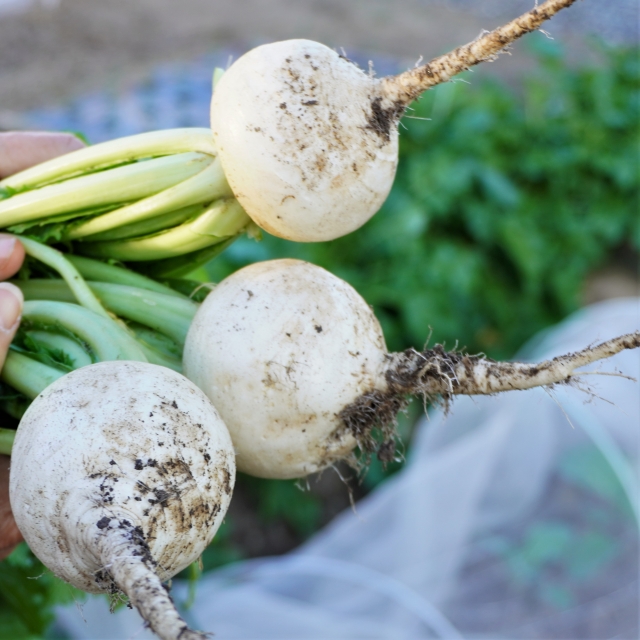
[{"x": 516, "y": 516}]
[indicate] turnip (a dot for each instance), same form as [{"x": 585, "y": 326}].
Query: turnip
[
  {"x": 309, "y": 142},
  {"x": 295, "y": 362},
  {"x": 121, "y": 473},
  {"x": 306, "y": 141}
]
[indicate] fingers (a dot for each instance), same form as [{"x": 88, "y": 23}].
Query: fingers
[
  {"x": 9, "y": 533},
  {"x": 22, "y": 149},
  {"x": 11, "y": 302},
  {"x": 11, "y": 256}
]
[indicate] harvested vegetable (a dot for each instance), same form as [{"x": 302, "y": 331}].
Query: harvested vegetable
[
  {"x": 295, "y": 361},
  {"x": 121, "y": 473},
  {"x": 309, "y": 142}
]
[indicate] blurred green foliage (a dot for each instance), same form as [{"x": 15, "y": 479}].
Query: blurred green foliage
[
  {"x": 505, "y": 200},
  {"x": 28, "y": 592}
]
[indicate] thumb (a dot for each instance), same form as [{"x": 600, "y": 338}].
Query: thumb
[{"x": 11, "y": 301}]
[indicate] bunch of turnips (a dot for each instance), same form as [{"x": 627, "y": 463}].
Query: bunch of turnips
[{"x": 136, "y": 401}]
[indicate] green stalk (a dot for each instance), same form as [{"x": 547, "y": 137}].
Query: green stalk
[
  {"x": 103, "y": 339},
  {"x": 156, "y": 340},
  {"x": 103, "y": 272},
  {"x": 69, "y": 346},
  {"x": 122, "y": 184},
  {"x": 149, "y": 226},
  {"x": 156, "y": 357},
  {"x": 56, "y": 260},
  {"x": 169, "y": 315},
  {"x": 16, "y": 406},
  {"x": 28, "y": 376},
  {"x": 7, "y": 436},
  {"x": 215, "y": 224},
  {"x": 158, "y": 348},
  {"x": 185, "y": 264},
  {"x": 59, "y": 325},
  {"x": 204, "y": 187},
  {"x": 114, "y": 152}
]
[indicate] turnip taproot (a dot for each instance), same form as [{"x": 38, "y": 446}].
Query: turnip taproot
[
  {"x": 295, "y": 361},
  {"x": 309, "y": 142},
  {"x": 121, "y": 473}
]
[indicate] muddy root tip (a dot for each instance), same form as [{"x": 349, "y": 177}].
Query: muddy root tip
[
  {"x": 132, "y": 571},
  {"x": 437, "y": 374}
]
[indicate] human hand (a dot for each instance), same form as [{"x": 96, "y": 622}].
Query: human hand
[{"x": 18, "y": 151}]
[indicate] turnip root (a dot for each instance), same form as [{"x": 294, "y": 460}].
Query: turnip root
[
  {"x": 309, "y": 143},
  {"x": 295, "y": 361},
  {"x": 281, "y": 347},
  {"x": 121, "y": 473}
]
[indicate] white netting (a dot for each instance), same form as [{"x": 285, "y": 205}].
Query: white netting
[{"x": 515, "y": 517}]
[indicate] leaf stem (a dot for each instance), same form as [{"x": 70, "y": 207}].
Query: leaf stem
[
  {"x": 204, "y": 187},
  {"x": 28, "y": 376},
  {"x": 119, "y": 185},
  {"x": 101, "y": 156},
  {"x": 102, "y": 337},
  {"x": 219, "y": 221},
  {"x": 102, "y": 272},
  {"x": 169, "y": 315},
  {"x": 56, "y": 260},
  {"x": 7, "y": 436}
]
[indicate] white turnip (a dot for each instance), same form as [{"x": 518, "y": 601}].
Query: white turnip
[
  {"x": 295, "y": 361},
  {"x": 309, "y": 142},
  {"x": 121, "y": 473},
  {"x": 306, "y": 141},
  {"x": 281, "y": 347}
]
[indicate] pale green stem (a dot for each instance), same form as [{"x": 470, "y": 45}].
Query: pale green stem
[
  {"x": 157, "y": 341},
  {"x": 7, "y": 436},
  {"x": 155, "y": 357},
  {"x": 218, "y": 222},
  {"x": 119, "y": 185},
  {"x": 102, "y": 272},
  {"x": 69, "y": 346},
  {"x": 100, "y": 156},
  {"x": 28, "y": 376},
  {"x": 187, "y": 263},
  {"x": 167, "y": 314},
  {"x": 104, "y": 339},
  {"x": 203, "y": 188},
  {"x": 147, "y": 227},
  {"x": 56, "y": 260},
  {"x": 156, "y": 349}
]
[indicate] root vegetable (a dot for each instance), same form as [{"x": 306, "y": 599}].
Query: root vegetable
[
  {"x": 121, "y": 473},
  {"x": 295, "y": 361},
  {"x": 280, "y": 347},
  {"x": 306, "y": 141},
  {"x": 309, "y": 142}
]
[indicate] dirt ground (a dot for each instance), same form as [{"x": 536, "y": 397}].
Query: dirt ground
[{"x": 57, "y": 49}]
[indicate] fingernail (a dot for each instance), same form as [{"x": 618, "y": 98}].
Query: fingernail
[
  {"x": 11, "y": 300},
  {"x": 7, "y": 245}
]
